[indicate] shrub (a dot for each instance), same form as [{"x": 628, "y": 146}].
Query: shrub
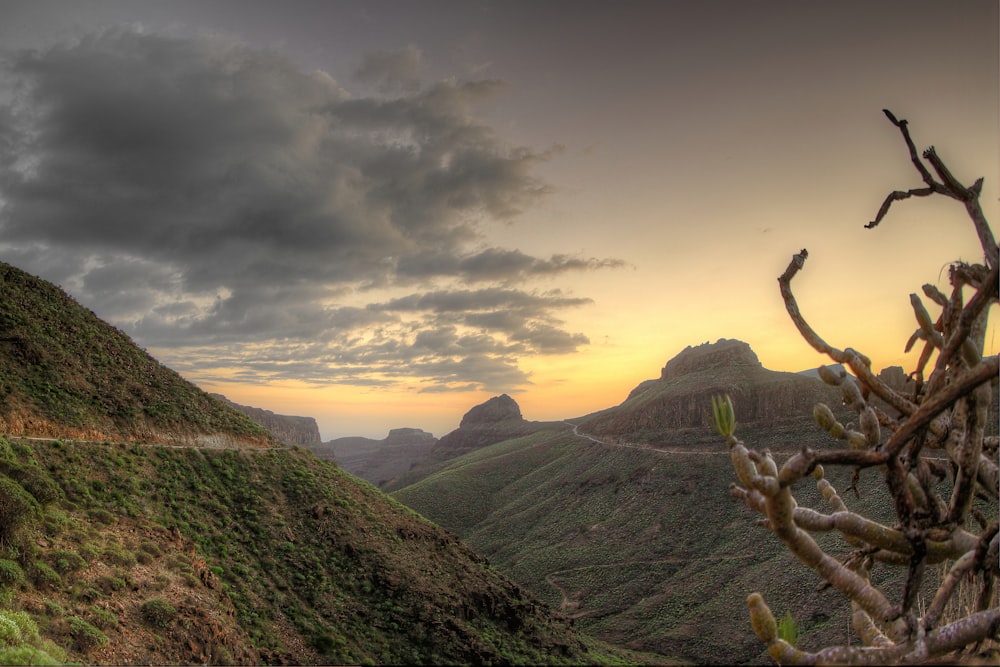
[
  {"x": 34, "y": 480},
  {"x": 109, "y": 583},
  {"x": 85, "y": 635},
  {"x": 115, "y": 555},
  {"x": 11, "y": 573},
  {"x": 101, "y": 516},
  {"x": 151, "y": 548},
  {"x": 55, "y": 521},
  {"x": 18, "y": 508},
  {"x": 88, "y": 552},
  {"x": 26, "y": 655},
  {"x": 23, "y": 645},
  {"x": 10, "y": 633},
  {"x": 54, "y": 609},
  {"x": 66, "y": 561},
  {"x": 44, "y": 576},
  {"x": 158, "y": 612},
  {"x": 103, "y": 618}
]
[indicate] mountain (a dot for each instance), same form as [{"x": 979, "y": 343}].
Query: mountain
[
  {"x": 126, "y": 551},
  {"x": 290, "y": 430},
  {"x": 378, "y": 461},
  {"x": 493, "y": 421},
  {"x": 628, "y": 526},
  {"x": 65, "y": 373},
  {"x": 676, "y": 408}
]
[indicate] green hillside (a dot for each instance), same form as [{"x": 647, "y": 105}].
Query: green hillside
[
  {"x": 131, "y": 554},
  {"x": 66, "y": 373},
  {"x": 643, "y": 548}
]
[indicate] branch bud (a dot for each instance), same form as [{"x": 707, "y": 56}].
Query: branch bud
[
  {"x": 764, "y": 625},
  {"x": 824, "y": 417}
]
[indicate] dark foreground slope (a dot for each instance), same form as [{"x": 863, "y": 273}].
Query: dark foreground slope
[
  {"x": 66, "y": 373},
  {"x": 129, "y": 554}
]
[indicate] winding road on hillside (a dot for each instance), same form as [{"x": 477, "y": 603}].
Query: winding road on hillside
[
  {"x": 570, "y": 604},
  {"x": 144, "y": 444},
  {"x": 632, "y": 445}
]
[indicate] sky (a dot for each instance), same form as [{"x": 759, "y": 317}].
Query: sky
[{"x": 380, "y": 214}]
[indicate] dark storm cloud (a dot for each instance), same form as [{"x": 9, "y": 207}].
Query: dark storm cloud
[
  {"x": 392, "y": 70},
  {"x": 496, "y": 264},
  {"x": 199, "y": 192}
]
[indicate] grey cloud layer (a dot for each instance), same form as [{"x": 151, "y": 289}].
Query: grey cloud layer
[{"x": 210, "y": 196}]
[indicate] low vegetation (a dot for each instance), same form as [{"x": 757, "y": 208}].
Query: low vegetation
[
  {"x": 642, "y": 548},
  {"x": 141, "y": 554},
  {"x": 66, "y": 373}
]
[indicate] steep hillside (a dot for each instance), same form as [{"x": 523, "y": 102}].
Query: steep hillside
[
  {"x": 495, "y": 420},
  {"x": 378, "y": 461},
  {"x": 116, "y": 549},
  {"x": 290, "y": 430},
  {"x": 130, "y": 554},
  {"x": 65, "y": 373}
]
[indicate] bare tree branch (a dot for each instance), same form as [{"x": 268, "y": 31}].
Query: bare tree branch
[{"x": 933, "y": 500}]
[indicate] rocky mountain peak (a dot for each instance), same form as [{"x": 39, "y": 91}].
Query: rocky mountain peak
[
  {"x": 407, "y": 435},
  {"x": 724, "y": 353},
  {"x": 497, "y": 409}
]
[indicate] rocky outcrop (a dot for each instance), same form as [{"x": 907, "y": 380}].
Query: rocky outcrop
[
  {"x": 408, "y": 436},
  {"x": 488, "y": 423},
  {"x": 290, "y": 430},
  {"x": 495, "y": 420},
  {"x": 724, "y": 353},
  {"x": 498, "y": 409},
  {"x": 677, "y": 407}
]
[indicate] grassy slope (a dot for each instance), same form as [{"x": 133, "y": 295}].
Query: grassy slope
[
  {"x": 647, "y": 549},
  {"x": 66, "y": 373},
  {"x": 259, "y": 556}
]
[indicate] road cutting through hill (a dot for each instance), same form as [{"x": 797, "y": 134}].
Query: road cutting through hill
[
  {"x": 676, "y": 452},
  {"x": 218, "y": 447},
  {"x": 632, "y": 445},
  {"x": 570, "y": 603}
]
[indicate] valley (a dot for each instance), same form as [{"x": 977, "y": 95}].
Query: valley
[
  {"x": 144, "y": 521},
  {"x": 178, "y": 528}
]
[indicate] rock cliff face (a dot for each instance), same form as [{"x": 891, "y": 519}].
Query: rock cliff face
[
  {"x": 723, "y": 354},
  {"x": 497, "y": 409},
  {"x": 487, "y": 423},
  {"x": 676, "y": 409},
  {"x": 290, "y": 430}
]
